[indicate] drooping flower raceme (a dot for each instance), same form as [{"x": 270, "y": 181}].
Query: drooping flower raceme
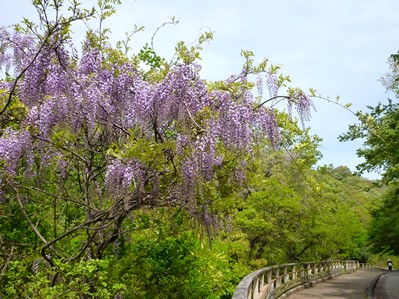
[
  {"x": 81, "y": 107},
  {"x": 272, "y": 84},
  {"x": 12, "y": 146}
]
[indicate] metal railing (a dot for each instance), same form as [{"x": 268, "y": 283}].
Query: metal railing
[{"x": 272, "y": 282}]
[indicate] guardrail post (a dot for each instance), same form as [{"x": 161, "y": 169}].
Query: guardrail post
[
  {"x": 309, "y": 267},
  {"x": 277, "y": 276},
  {"x": 332, "y": 266},
  {"x": 257, "y": 289},
  {"x": 328, "y": 268},
  {"x": 270, "y": 282},
  {"x": 303, "y": 273},
  {"x": 261, "y": 284},
  {"x": 251, "y": 291},
  {"x": 286, "y": 277},
  {"x": 294, "y": 274}
]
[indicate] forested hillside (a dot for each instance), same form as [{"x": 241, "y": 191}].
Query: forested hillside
[{"x": 124, "y": 175}]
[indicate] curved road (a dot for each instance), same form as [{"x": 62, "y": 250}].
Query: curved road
[
  {"x": 387, "y": 286},
  {"x": 349, "y": 286}
]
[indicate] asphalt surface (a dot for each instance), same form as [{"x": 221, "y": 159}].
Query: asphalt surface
[
  {"x": 387, "y": 286},
  {"x": 350, "y": 286}
]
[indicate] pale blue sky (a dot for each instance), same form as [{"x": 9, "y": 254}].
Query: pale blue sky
[{"x": 339, "y": 47}]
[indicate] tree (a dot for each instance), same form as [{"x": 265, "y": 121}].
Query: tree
[
  {"x": 391, "y": 80},
  {"x": 384, "y": 230},
  {"x": 380, "y": 130},
  {"x": 89, "y": 137},
  {"x": 295, "y": 213}
]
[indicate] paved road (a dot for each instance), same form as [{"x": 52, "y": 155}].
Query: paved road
[
  {"x": 349, "y": 286},
  {"x": 387, "y": 286}
]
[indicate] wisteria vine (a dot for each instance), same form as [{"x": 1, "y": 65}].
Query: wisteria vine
[{"x": 108, "y": 104}]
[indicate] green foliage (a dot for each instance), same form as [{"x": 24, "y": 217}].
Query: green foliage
[
  {"x": 188, "y": 54},
  {"x": 170, "y": 265},
  {"x": 89, "y": 279},
  {"x": 149, "y": 57},
  {"x": 380, "y": 131},
  {"x": 384, "y": 228},
  {"x": 15, "y": 113},
  {"x": 294, "y": 213},
  {"x": 171, "y": 268}
]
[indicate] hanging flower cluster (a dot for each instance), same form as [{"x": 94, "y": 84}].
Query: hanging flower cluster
[{"x": 102, "y": 102}]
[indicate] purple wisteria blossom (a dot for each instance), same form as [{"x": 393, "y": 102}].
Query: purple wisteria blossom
[
  {"x": 272, "y": 84},
  {"x": 12, "y": 145},
  {"x": 303, "y": 106},
  {"x": 79, "y": 107},
  {"x": 120, "y": 176}
]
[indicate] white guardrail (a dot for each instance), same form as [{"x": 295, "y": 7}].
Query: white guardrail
[{"x": 272, "y": 282}]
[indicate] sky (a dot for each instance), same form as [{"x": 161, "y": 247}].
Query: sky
[{"x": 338, "y": 47}]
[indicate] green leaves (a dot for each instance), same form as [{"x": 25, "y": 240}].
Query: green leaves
[
  {"x": 384, "y": 229},
  {"x": 15, "y": 113},
  {"x": 149, "y": 57},
  {"x": 188, "y": 54},
  {"x": 380, "y": 130},
  {"x": 89, "y": 278}
]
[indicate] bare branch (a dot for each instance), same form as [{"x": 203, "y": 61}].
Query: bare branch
[{"x": 3, "y": 271}]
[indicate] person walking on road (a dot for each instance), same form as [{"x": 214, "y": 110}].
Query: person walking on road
[{"x": 389, "y": 265}]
